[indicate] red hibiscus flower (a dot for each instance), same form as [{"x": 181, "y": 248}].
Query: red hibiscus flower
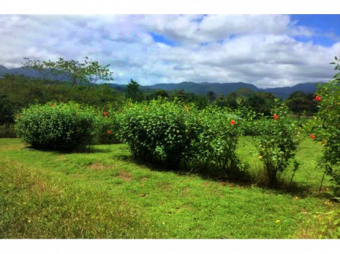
[
  {"x": 108, "y": 132},
  {"x": 105, "y": 113},
  {"x": 318, "y": 98},
  {"x": 276, "y": 116},
  {"x": 232, "y": 122},
  {"x": 312, "y": 136}
]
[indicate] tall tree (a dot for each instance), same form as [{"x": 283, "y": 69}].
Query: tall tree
[
  {"x": 133, "y": 91},
  {"x": 86, "y": 71},
  {"x": 211, "y": 96}
]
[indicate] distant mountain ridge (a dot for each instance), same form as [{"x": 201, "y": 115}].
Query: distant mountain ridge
[
  {"x": 227, "y": 88},
  {"x": 205, "y": 87},
  {"x": 19, "y": 71},
  {"x": 192, "y": 87}
]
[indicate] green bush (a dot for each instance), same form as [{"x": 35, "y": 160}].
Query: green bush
[
  {"x": 158, "y": 131},
  {"x": 64, "y": 126},
  {"x": 107, "y": 128},
  {"x": 326, "y": 127},
  {"x": 178, "y": 134},
  {"x": 215, "y": 147},
  {"x": 277, "y": 140}
]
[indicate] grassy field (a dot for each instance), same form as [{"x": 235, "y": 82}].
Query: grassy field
[{"x": 103, "y": 193}]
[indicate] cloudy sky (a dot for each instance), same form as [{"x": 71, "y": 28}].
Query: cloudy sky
[{"x": 265, "y": 50}]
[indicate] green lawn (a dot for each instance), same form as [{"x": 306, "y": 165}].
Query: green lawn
[{"x": 105, "y": 194}]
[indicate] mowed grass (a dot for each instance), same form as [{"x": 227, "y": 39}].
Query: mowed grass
[{"x": 105, "y": 194}]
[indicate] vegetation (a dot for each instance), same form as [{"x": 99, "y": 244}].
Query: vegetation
[
  {"x": 105, "y": 194},
  {"x": 327, "y": 127},
  {"x": 174, "y": 144},
  {"x": 57, "y": 126},
  {"x": 159, "y": 131},
  {"x": 301, "y": 103},
  {"x": 278, "y": 139},
  {"x": 84, "y": 72}
]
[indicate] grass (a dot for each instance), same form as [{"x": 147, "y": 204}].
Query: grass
[{"x": 105, "y": 194}]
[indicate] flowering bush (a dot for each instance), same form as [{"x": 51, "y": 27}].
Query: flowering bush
[
  {"x": 171, "y": 132},
  {"x": 217, "y": 133},
  {"x": 277, "y": 142},
  {"x": 107, "y": 127},
  {"x": 327, "y": 126},
  {"x": 157, "y": 131},
  {"x": 62, "y": 126}
]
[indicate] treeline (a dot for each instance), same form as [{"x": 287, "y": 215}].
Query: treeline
[{"x": 64, "y": 81}]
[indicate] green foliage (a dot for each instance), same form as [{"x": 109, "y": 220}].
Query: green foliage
[
  {"x": 6, "y": 110},
  {"x": 133, "y": 92},
  {"x": 157, "y": 131},
  {"x": 300, "y": 103},
  {"x": 261, "y": 102},
  {"x": 159, "y": 93},
  {"x": 21, "y": 91},
  {"x": 277, "y": 142},
  {"x": 57, "y": 126},
  {"x": 107, "y": 127},
  {"x": 215, "y": 147},
  {"x": 229, "y": 101},
  {"x": 85, "y": 72},
  {"x": 327, "y": 127},
  {"x": 175, "y": 133}
]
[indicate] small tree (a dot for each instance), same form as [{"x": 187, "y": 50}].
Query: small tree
[
  {"x": 211, "y": 96},
  {"x": 299, "y": 102},
  {"x": 133, "y": 91}
]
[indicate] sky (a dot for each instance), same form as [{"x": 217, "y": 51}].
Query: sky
[{"x": 264, "y": 50}]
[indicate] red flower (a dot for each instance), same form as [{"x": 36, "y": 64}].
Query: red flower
[
  {"x": 108, "y": 132},
  {"x": 105, "y": 113},
  {"x": 52, "y": 105},
  {"x": 318, "y": 98},
  {"x": 312, "y": 136},
  {"x": 276, "y": 116},
  {"x": 232, "y": 122}
]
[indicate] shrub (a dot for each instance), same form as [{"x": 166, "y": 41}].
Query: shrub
[
  {"x": 215, "y": 147},
  {"x": 64, "y": 126},
  {"x": 174, "y": 133},
  {"x": 327, "y": 127},
  {"x": 107, "y": 128},
  {"x": 277, "y": 140},
  {"x": 158, "y": 131}
]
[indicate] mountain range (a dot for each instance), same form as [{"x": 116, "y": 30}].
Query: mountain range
[
  {"x": 226, "y": 88},
  {"x": 192, "y": 87},
  {"x": 19, "y": 71}
]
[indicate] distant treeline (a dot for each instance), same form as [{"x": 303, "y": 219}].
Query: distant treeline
[
  {"x": 82, "y": 86},
  {"x": 17, "y": 92}
]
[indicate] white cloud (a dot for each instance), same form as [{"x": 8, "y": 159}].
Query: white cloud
[{"x": 258, "y": 49}]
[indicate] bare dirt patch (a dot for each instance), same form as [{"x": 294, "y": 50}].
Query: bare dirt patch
[
  {"x": 98, "y": 166},
  {"x": 125, "y": 175}
]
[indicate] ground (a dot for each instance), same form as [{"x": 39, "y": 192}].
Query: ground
[{"x": 103, "y": 193}]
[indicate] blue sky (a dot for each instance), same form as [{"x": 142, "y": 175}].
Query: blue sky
[
  {"x": 265, "y": 50},
  {"x": 325, "y": 25}
]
